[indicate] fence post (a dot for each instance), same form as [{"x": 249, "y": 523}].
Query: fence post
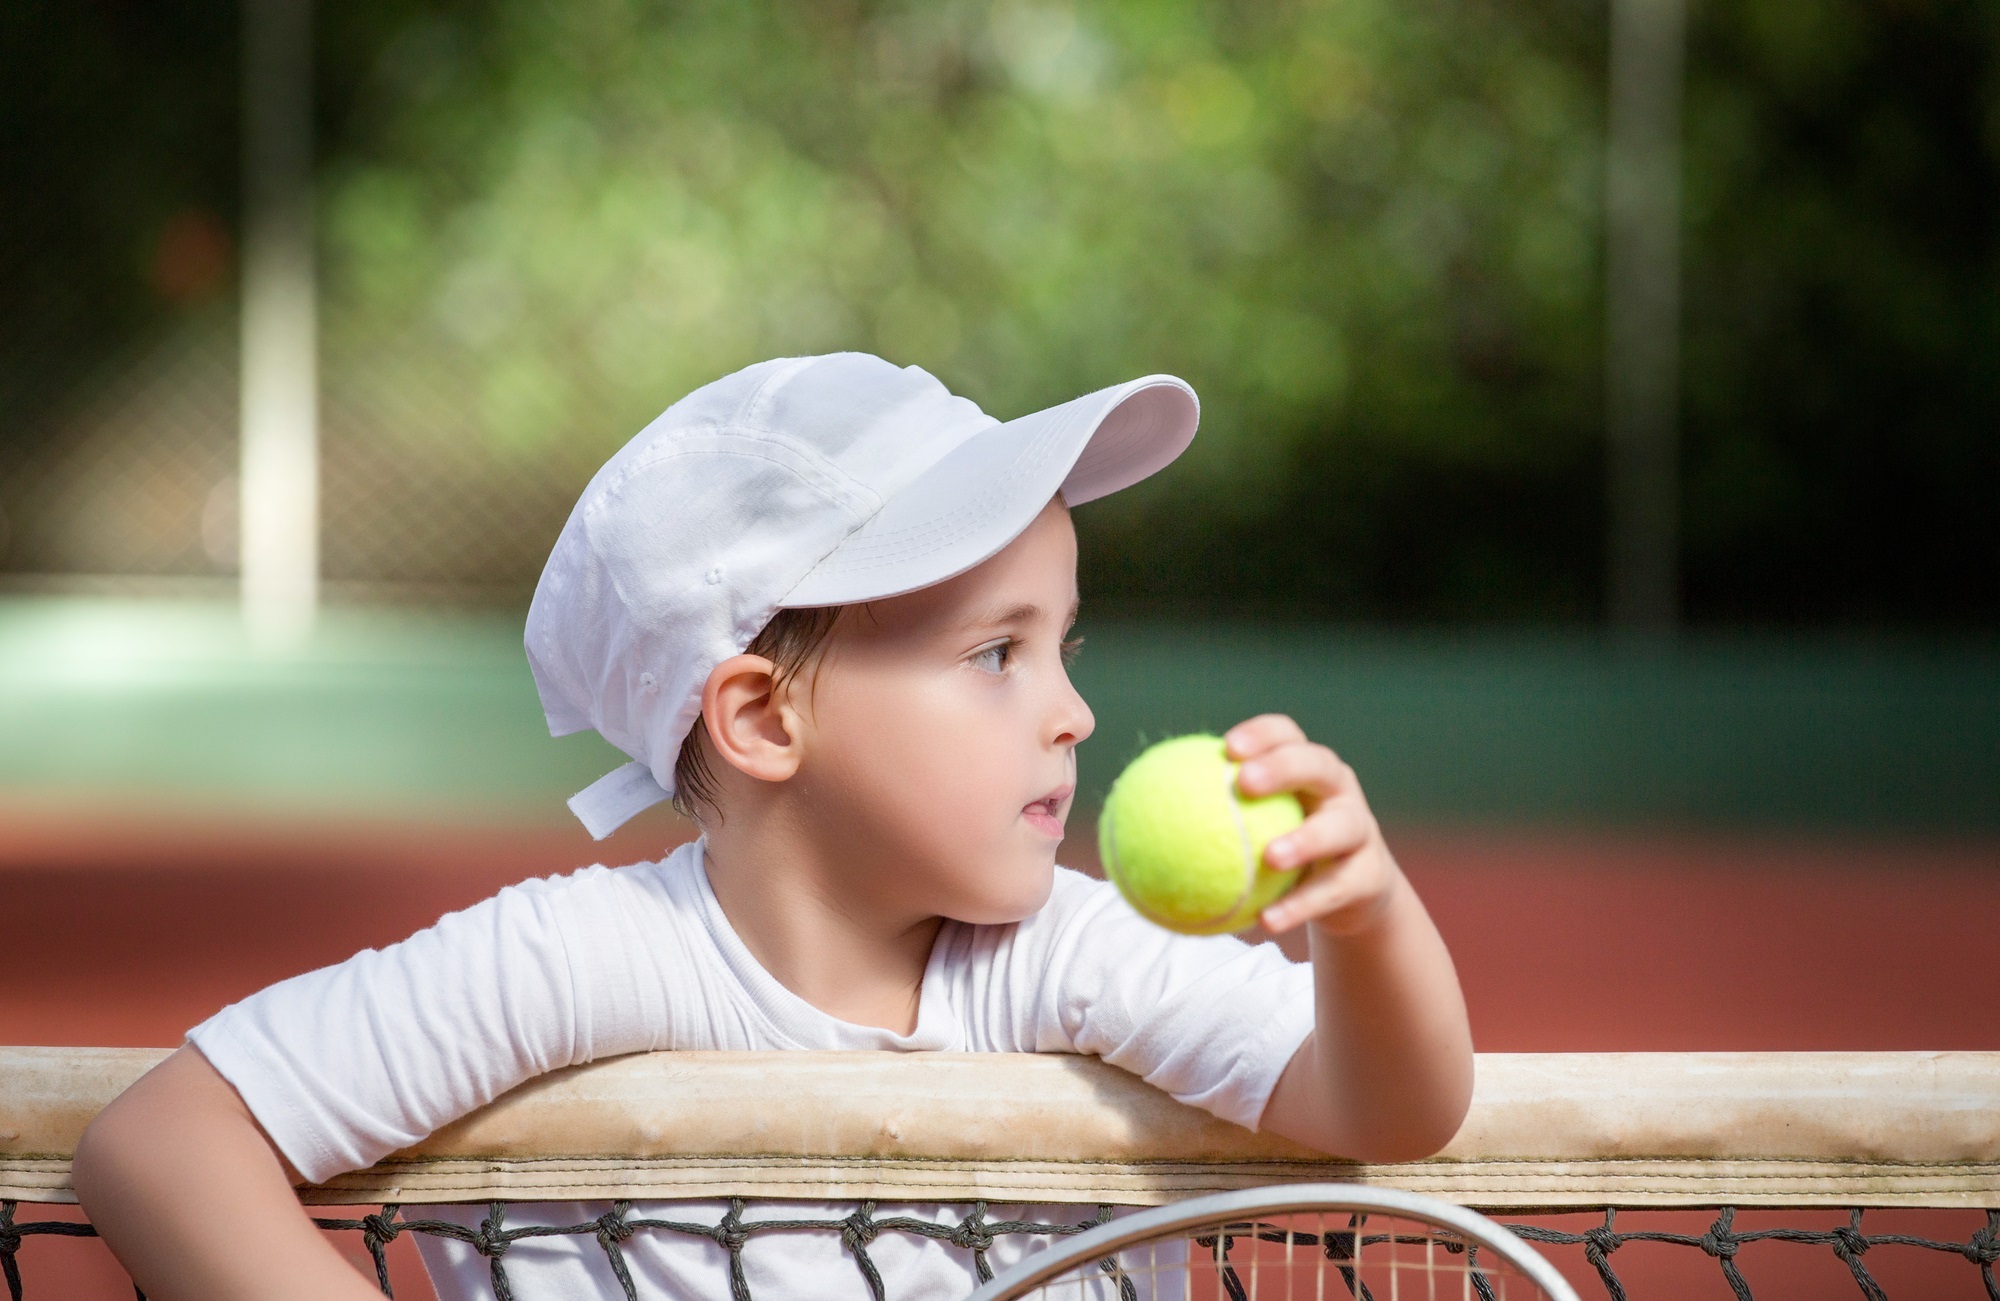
[
  {"x": 1642, "y": 313},
  {"x": 279, "y": 542}
]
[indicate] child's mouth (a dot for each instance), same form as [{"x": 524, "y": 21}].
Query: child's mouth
[{"x": 1045, "y": 814}]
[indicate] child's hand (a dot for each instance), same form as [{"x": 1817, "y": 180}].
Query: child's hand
[
  {"x": 1386, "y": 1074},
  {"x": 1350, "y": 876}
]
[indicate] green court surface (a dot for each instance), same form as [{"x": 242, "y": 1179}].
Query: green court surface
[{"x": 391, "y": 713}]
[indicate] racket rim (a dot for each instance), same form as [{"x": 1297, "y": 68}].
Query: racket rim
[{"x": 1276, "y": 1199}]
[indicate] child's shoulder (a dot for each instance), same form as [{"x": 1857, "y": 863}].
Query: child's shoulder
[{"x": 667, "y": 884}]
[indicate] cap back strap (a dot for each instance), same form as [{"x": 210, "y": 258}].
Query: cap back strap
[{"x": 615, "y": 798}]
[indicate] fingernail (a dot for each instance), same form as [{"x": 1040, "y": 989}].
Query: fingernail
[{"x": 1279, "y": 853}]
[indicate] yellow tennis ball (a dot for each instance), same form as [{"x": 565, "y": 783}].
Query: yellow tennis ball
[{"x": 1184, "y": 848}]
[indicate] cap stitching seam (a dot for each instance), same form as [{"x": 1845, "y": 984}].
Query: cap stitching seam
[{"x": 827, "y": 485}]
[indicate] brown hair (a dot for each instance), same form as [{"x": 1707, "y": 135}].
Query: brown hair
[{"x": 793, "y": 641}]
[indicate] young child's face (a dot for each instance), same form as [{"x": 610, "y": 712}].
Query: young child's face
[{"x": 941, "y": 733}]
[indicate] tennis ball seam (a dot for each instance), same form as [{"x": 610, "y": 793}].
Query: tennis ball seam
[
  {"x": 1242, "y": 838},
  {"x": 1249, "y": 855},
  {"x": 1168, "y": 852}
]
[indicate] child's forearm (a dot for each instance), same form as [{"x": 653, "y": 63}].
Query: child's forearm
[
  {"x": 1387, "y": 1072},
  {"x": 195, "y": 1202}
]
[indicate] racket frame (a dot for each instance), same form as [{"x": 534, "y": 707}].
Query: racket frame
[{"x": 1283, "y": 1199}]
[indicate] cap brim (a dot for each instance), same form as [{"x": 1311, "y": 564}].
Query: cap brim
[{"x": 982, "y": 495}]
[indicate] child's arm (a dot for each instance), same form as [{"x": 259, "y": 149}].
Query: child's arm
[
  {"x": 196, "y": 1202},
  {"x": 1387, "y": 1073}
]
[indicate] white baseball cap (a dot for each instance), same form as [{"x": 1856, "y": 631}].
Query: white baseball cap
[{"x": 804, "y": 481}]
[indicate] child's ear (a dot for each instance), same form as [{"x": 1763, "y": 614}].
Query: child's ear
[{"x": 752, "y": 728}]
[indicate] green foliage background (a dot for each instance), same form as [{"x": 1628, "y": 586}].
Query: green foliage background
[{"x": 1366, "y": 230}]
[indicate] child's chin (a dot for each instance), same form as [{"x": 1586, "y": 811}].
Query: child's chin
[{"x": 1027, "y": 891}]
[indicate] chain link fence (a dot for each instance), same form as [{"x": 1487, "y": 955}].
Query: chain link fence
[{"x": 129, "y": 478}]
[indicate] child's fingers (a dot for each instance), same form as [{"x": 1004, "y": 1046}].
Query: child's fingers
[
  {"x": 1329, "y": 890},
  {"x": 1335, "y": 830},
  {"x": 1298, "y": 766},
  {"x": 1255, "y": 735}
]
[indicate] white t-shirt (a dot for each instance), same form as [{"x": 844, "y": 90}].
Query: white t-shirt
[{"x": 344, "y": 1065}]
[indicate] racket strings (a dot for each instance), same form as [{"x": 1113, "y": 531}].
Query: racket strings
[{"x": 1358, "y": 1257}]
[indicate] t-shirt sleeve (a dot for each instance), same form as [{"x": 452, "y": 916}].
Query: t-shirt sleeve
[
  {"x": 1209, "y": 1019},
  {"x": 344, "y": 1065}
]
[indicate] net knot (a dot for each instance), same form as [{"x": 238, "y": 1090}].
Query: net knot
[
  {"x": 1720, "y": 1242},
  {"x": 1848, "y": 1242},
  {"x": 971, "y": 1234},
  {"x": 731, "y": 1234},
  {"x": 490, "y": 1239},
  {"x": 1984, "y": 1249},
  {"x": 860, "y": 1229},
  {"x": 1602, "y": 1239},
  {"x": 612, "y": 1227},
  {"x": 380, "y": 1226}
]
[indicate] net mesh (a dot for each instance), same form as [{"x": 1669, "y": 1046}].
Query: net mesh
[{"x": 1232, "y": 1262}]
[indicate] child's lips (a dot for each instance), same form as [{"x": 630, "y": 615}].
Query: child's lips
[{"x": 1045, "y": 814}]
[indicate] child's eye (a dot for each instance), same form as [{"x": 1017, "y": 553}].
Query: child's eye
[
  {"x": 1070, "y": 649},
  {"x": 994, "y": 658}
]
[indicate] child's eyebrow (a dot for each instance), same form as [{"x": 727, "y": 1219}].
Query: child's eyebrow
[{"x": 1025, "y": 612}]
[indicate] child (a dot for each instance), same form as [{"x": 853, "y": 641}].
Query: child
[{"x": 822, "y": 603}]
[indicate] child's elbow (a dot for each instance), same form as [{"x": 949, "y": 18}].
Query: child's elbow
[
  {"x": 102, "y": 1151},
  {"x": 1381, "y": 1140},
  {"x": 112, "y": 1151},
  {"x": 1412, "y": 1143},
  {"x": 1439, "y": 1124},
  {"x": 142, "y": 1141},
  {"x": 1412, "y": 1133}
]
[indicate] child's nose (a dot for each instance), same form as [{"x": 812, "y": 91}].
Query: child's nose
[{"x": 1073, "y": 720}]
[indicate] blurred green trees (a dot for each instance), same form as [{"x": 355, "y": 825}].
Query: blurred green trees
[
  {"x": 1366, "y": 230},
  {"x": 1339, "y": 220}
]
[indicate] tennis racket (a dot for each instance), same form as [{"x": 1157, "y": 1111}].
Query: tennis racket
[{"x": 1298, "y": 1242}]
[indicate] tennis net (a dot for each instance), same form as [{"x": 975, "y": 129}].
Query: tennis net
[{"x": 1741, "y": 1166}]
